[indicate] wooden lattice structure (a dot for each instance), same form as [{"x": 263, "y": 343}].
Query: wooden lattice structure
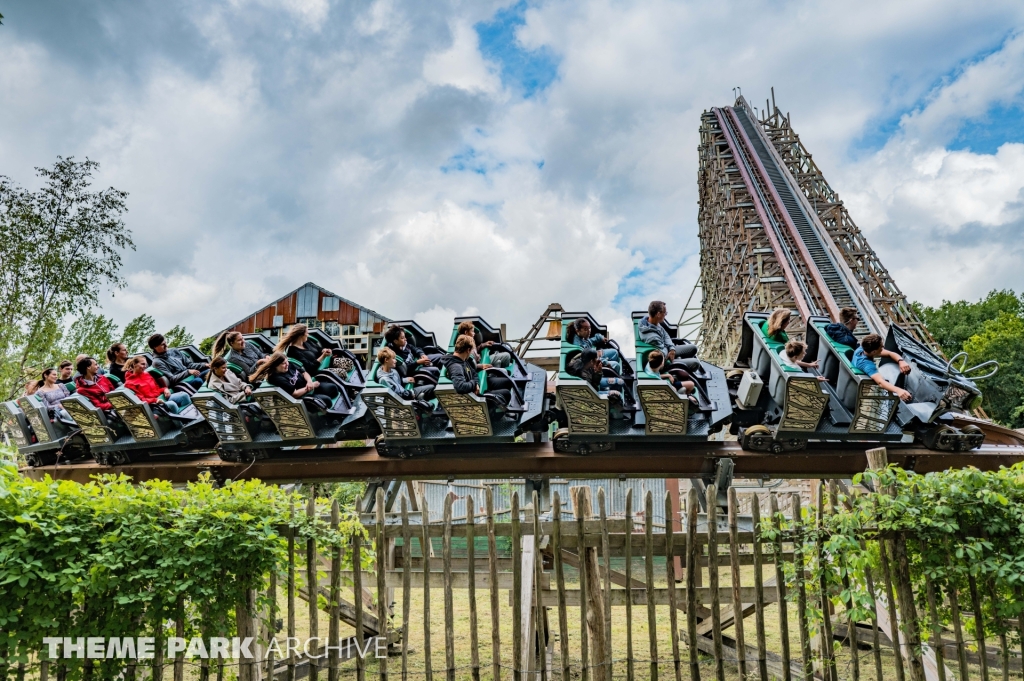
[{"x": 756, "y": 254}]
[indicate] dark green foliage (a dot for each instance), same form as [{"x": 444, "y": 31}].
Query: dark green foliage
[
  {"x": 206, "y": 345},
  {"x": 952, "y": 323},
  {"x": 956, "y": 525},
  {"x": 115, "y": 559},
  {"x": 990, "y": 329},
  {"x": 1002, "y": 339}
]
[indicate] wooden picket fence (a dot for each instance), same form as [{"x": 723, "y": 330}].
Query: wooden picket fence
[{"x": 559, "y": 603}]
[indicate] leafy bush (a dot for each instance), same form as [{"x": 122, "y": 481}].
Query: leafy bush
[{"x": 110, "y": 558}]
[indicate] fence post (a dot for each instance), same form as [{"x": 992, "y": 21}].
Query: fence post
[
  {"x": 492, "y": 562},
  {"x": 762, "y": 648},
  {"x": 670, "y": 577},
  {"x": 652, "y": 620},
  {"x": 556, "y": 550},
  {"x": 291, "y": 592},
  {"x": 471, "y": 573},
  {"x": 692, "y": 568},
  {"x": 780, "y": 585},
  {"x": 382, "y": 587},
  {"x": 596, "y": 616},
  {"x": 734, "y": 567},
  {"x": 716, "y": 606},
  {"x": 312, "y": 587},
  {"x": 606, "y": 556}
]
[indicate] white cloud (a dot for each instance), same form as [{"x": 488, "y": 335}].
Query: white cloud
[
  {"x": 461, "y": 65},
  {"x": 372, "y": 149}
]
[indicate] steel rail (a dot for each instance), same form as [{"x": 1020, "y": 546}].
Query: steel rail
[
  {"x": 819, "y": 282},
  {"x": 782, "y": 253},
  {"x": 684, "y": 460}
]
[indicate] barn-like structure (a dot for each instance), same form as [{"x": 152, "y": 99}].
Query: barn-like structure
[{"x": 354, "y": 325}]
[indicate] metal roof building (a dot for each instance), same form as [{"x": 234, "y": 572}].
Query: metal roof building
[{"x": 354, "y": 325}]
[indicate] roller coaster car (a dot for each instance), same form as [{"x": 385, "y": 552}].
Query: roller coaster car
[
  {"x": 274, "y": 423},
  {"x": 651, "y": 411},
  {"x": 410, "y": 428},
  {"x": 137, "y": 431},
  {"x": 42, "y": 435},
  {"x": 795, "y": 407},
  {"x": 941, "y": 391}
]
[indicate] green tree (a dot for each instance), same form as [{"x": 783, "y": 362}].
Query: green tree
[
  {"x": 952, "y": 323},
  {"x": 137, "y": 332},
  {"x": 59, "y": 246},
  {"x": 178, "y": 336},
  {"x": 90, "y": 334},
  {"x": 206, "y": 345},
  {"x": 1002, "y": 339}
]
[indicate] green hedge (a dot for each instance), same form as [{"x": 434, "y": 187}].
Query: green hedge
[{"x": 111, "y": 558}]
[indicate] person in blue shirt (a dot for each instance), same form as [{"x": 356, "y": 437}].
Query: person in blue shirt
[
  {"x": 842, "y": 331},
  {"x": 871, "y": 349},
  {"x": 583, "y": 336}
]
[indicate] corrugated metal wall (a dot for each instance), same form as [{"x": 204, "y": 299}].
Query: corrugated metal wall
[{"x": 614, "y": 494}]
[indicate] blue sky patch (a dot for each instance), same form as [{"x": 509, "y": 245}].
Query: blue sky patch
[
  {"x": 472, "y": 161},
  {"x": 530, "y": 71},
  {"x": 985, "y": 134}
]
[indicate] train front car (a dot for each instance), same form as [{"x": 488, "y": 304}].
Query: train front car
[
  {"x": 647, "y": 409},
  {"x": 412, "y": 427},
  {"x": 274, "y": 424},
  {"x": 942, "y": 390},
  {"x": 43, "y": 436},
  {"x": 781, "y": 407}
]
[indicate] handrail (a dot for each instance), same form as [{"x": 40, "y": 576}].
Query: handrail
[
  {"x": 949, "y": 364},
  {"x": 967, "y": 372}
]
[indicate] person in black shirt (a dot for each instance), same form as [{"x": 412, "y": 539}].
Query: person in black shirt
[
  {"x": 463, "y": 375},
  {"x": 280, "y": 373},
  {"x": 117, "y": 355},
  {"x": 411, "y": 359},
  {"x": 842, "y": 331},
  {"x": 296, "y": 345}
]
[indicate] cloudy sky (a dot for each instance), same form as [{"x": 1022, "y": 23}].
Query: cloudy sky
[{"x": 426, "y": 159}]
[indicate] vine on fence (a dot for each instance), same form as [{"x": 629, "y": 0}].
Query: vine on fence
[
  {"x": 958, "y": 527},
  {"x": 114, "y": 559}
]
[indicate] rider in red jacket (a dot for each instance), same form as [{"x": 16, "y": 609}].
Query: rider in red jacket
[{"x": 93, "y": 385}]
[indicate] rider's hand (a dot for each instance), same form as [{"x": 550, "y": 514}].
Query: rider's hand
[
  {"x": 194, "y": 372},
  {"x": 326, "y": 353},
  {"x": 904, "y": 395},
  {"x": 672, "y": 354},
  {"x": 904, "y": 367},
  {"x": 423, "y": 361}
]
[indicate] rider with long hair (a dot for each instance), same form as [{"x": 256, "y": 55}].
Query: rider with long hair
[
  {"x": 296, "y": 345},
  {"x": 280, "y": 373}
]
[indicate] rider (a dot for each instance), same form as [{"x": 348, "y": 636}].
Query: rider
[
  {"x": 793, "y": 355},
  {"x": 91, "y": 383},
  {"x": 653, "y": 333},
  {"x": 498, "y": 358},
  {"x": 147, "y": 389},
  {"x": 463, "y": 372},
  {"x": 175, "y": 365},
  {"x": 227, "y": 382},
  {"x": 871, "y": 349},
  {"x": 389, "y": 377},
  {"x": 412, "y": 359},
  {"x": 582, "y": 338},
  {"x": 842, "y": 331},
  {"x": 587, "y": 365},
  {"x": 775, "y": 328}
]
